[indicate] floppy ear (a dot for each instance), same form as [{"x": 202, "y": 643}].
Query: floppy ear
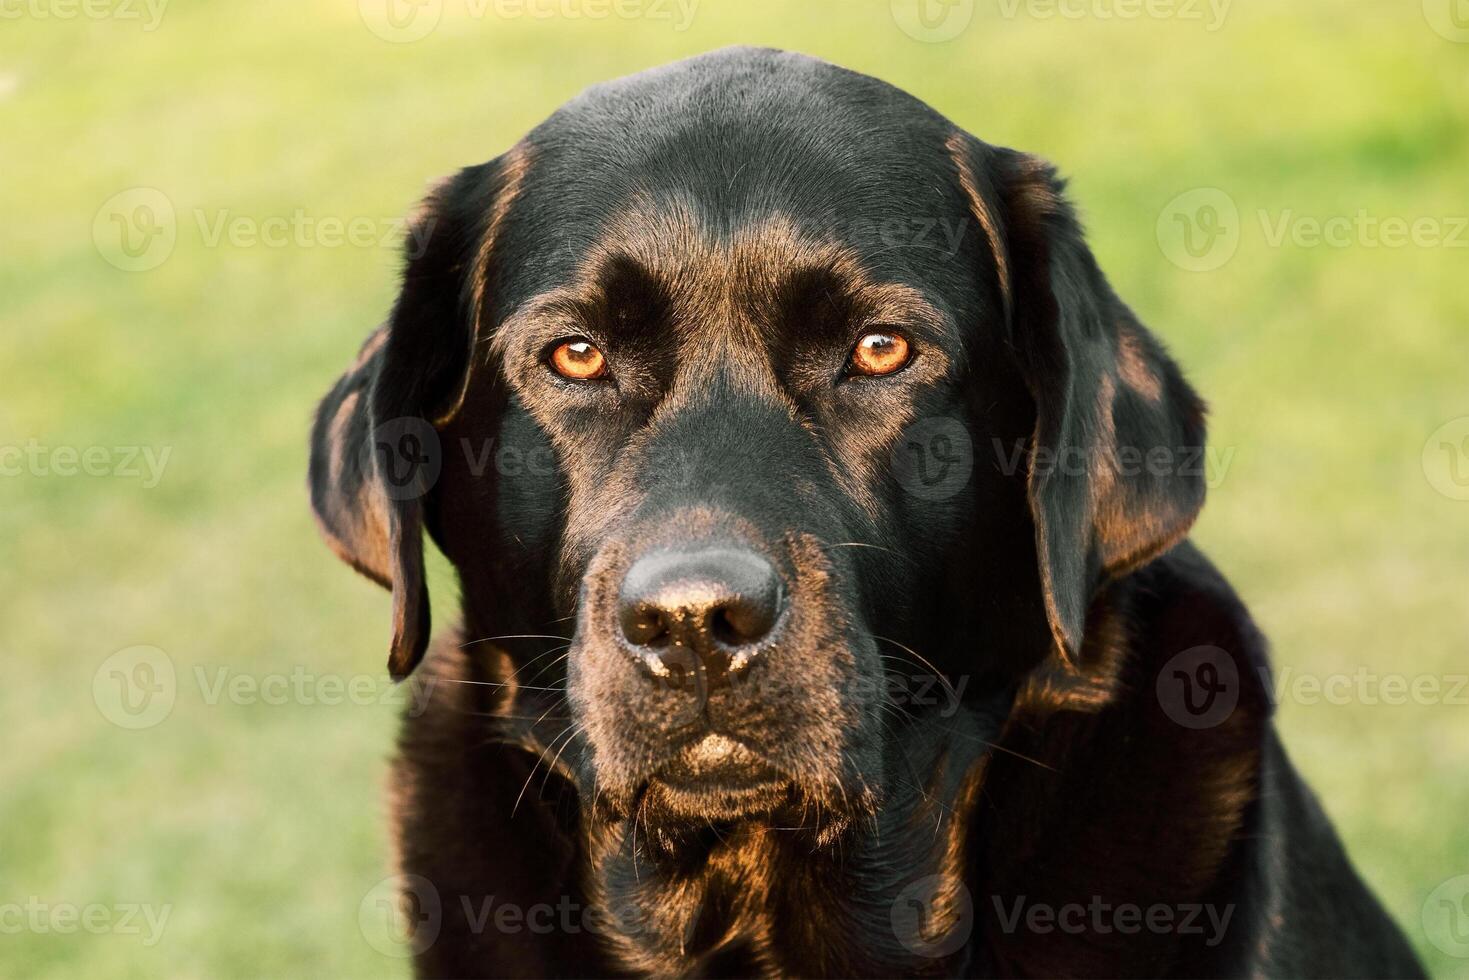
[
  {"x": 1116, "y": 458},
  {"x": 375, "y": 452}
]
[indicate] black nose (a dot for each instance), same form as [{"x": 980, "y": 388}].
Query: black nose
[{"x": 698, "y": 613}]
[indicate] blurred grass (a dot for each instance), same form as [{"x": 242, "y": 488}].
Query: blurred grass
[{"x": 259, "y": 825}]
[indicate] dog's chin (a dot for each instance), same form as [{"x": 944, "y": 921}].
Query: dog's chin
[
  {"x": 714, "y": 779},
  {"x": 672, "y": 804},
  {"x": 718, "y": 784},
  {"x": 715, "y": 789}
]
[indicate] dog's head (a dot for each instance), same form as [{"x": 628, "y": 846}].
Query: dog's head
[{"x": 779, "y": 394}]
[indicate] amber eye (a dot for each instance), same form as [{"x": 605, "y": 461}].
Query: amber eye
[
  {"x": 579, "y": 360},
  {"x": 879, "y": 353}
]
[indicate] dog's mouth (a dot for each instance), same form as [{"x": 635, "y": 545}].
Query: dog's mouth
[{"x": 715, "y": 778}]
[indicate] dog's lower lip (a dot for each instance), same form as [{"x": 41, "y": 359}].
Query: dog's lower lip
[
  {"x": 718, "y": 768},
  {"x": 715, "y": 758}
]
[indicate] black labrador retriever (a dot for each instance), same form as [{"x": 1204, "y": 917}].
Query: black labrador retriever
[{"x": 820, "y": 518}]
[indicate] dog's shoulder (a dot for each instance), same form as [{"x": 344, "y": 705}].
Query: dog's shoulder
[
  {"x": 1182, "y": 600},
  {"x": 1297, "y": 903}
]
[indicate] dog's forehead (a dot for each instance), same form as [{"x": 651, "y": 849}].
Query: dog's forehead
[
  {"x": 729, "y": 265},
  {"x": 662, "y": 269},
  {"x": 762, "y": 156}
]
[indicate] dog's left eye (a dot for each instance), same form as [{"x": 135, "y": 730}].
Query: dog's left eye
[
  {"x": 578, "y": 360},
  {"x": 879, "y": 353}
]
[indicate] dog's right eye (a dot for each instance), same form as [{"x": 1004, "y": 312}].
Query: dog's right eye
[
  {"x": 879, "y": 353},
  {"x": 578, "y": 359}
]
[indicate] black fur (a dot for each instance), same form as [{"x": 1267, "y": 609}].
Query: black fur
[{"x": 963, "y": 720}]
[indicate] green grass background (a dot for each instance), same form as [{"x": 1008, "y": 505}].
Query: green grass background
[{"x": 262, "y": 825}]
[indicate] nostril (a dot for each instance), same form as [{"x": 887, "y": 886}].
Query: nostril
[
  {"x": 724, "y": 629},
  {"x": 746, "y": 620},
  {"x": 645, "y": 627}
]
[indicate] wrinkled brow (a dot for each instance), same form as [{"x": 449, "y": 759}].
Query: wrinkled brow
[
  {"x": 656, "y": 276},
  {"x": 631, "y": 303}
]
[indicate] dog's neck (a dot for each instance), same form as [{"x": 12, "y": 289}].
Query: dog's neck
[{"x": 754, "y": 899}]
